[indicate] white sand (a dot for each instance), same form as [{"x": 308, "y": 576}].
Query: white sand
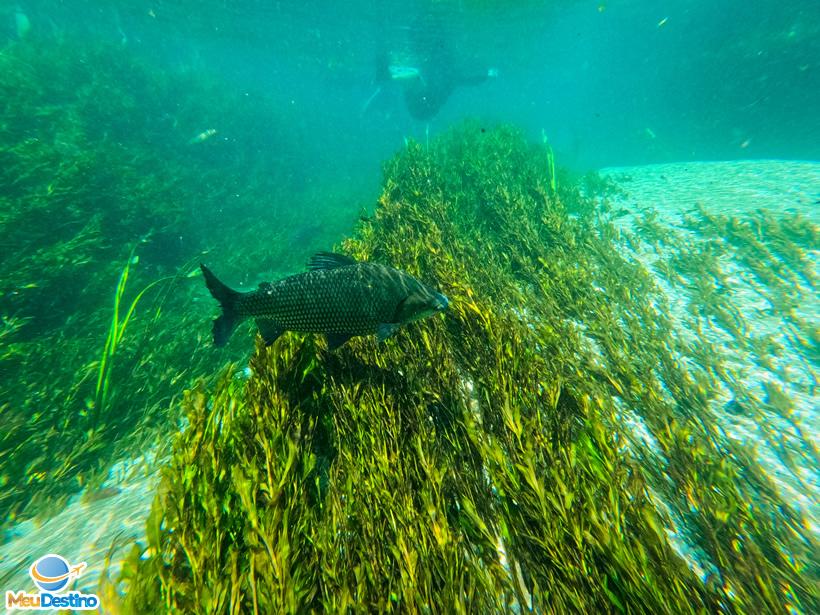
[{"x": 739, "y": 189}]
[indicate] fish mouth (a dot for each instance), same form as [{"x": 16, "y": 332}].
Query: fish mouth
[{"x": 442, "y": 302}]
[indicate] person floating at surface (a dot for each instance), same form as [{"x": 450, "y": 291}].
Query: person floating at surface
[
  {"x": 430, "y": 71},
  {"x": 437, "y": 80}
]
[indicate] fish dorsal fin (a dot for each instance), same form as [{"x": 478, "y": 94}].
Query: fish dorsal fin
[{"x": 329, "y": 260}]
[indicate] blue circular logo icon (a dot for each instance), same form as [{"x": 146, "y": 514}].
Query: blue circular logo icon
[{"x": 50, "y": 573}]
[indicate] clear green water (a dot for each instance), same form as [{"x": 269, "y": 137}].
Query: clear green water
[{"x": 137, "y": 141}]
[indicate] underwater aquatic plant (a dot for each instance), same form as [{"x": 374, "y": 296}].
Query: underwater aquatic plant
[
  {"x": 116, "y": 331},
  {"x": 550, "y": 163},
  {"x": 478, "y": 462},
  {"x": 83, "y": 127}
]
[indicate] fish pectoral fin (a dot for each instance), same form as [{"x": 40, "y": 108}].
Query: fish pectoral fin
[
  {"x": 329, "y": 260},
  {"x": 385, "y": 330},
  {"x": 334, "y": 340},
  {"x": 269, "y": 331}
]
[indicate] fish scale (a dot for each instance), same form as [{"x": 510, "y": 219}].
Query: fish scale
[
  {"x": 339, "y": 297},
  {"x": 340, "y": 301}
]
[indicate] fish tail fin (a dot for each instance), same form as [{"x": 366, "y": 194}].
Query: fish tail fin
[{"x": 229, "y": 300}]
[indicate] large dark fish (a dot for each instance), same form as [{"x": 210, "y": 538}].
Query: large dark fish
[{"x": 338, "y": 296}]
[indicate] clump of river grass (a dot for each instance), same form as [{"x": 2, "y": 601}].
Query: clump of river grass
[
  {"x": 478, "y": 461},
  {"x": 110, "y": 194}
]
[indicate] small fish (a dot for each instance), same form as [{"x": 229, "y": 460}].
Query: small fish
[
  {"x": 662, "y": 22},
  {"x": 203, "y": 136},
  {"x": 338, "y": 296}
]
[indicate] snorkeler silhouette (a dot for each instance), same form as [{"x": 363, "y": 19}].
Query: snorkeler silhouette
[{"x": 428, "y": 71}]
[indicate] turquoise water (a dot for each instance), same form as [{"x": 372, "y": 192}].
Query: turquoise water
[
  {"x": 137, "y": 140},
  {"x": 610, "y": 82}
]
